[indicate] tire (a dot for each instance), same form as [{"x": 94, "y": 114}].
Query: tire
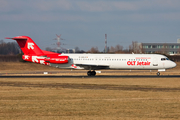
[
  {"x": 89, "y": 73},
  {"x": 93, "y": 73},
  {"x": 158, "y": 73}
]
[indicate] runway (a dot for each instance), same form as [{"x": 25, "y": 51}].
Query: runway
[{"x": 98, "y": 76}]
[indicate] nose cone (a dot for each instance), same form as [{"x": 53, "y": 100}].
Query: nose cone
[
  {"x": 170, "y": 64},
  {"x": 173, "y": 64}
]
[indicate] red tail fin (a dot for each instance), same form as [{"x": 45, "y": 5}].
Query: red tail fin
[{"x": 27, "y": 45}]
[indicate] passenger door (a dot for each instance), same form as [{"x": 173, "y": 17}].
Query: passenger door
[{"x": 155, "y": 61}]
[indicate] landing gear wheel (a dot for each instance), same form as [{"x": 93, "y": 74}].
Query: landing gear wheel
[
  {"x": 158, "y": 73},
  {"x": 91, "y": 73}
]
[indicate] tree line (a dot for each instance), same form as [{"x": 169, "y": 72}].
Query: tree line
[
  {"x": 10, "y": 48},
  {"x": 11, "y": 52}
]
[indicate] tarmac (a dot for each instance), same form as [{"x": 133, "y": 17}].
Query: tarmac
[{"x": 97, "y": 76}]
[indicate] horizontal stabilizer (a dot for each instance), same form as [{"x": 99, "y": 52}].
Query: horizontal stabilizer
[
  {"x": 27, "y": 45},
  {"x": 16, "y": 38}
]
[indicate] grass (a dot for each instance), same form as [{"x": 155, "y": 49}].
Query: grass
[
  {"x": 23, "y": 66},
  {"x": 89, "y": 98}
]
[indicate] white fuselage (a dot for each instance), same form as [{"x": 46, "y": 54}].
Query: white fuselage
[{"x": 118, "y": 61}]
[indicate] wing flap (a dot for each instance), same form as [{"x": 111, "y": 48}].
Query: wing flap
[{"x": 93, "y": 66}]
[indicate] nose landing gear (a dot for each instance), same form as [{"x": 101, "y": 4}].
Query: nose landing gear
[
  {"x": 158, "y": 73},
  {"x": 91, "y": 73}
]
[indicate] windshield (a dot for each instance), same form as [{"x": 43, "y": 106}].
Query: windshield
[{"x": 162, "y": 59}]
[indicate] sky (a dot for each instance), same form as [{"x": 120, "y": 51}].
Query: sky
[{"x": 84, "y": 23}]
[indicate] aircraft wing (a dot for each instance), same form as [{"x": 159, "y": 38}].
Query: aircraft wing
[{"x": 93, "y": 66}]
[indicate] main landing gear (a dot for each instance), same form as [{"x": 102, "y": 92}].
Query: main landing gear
[{"x": 91, "y": 73}]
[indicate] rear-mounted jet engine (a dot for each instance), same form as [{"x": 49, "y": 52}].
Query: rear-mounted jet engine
[{"x": 57, "y": 60}]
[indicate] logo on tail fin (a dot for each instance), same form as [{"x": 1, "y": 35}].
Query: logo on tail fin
[{"x": 30, "y": 45}]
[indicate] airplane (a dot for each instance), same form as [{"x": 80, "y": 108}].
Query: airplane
[{"x": 92, "y": 62}]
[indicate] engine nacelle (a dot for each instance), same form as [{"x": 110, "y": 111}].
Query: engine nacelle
[
  {"x": 35, "y": 59},
  {"x": 57, "y": 60}
]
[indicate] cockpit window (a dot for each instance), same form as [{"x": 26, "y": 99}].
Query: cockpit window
[{"x": 162, "y": 59}]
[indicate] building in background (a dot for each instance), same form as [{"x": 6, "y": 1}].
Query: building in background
[
  {"x": 70, "y": 51},
  {"x": 162, "y": 48}
]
